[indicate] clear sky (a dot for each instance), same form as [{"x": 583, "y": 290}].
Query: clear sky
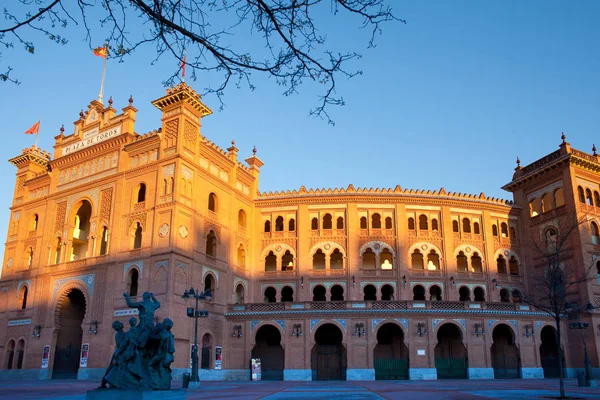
[{"x": 448, "y": 100}]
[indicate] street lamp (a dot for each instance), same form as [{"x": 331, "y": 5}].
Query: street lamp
[
  {"x": 195, "y": 313},
  {"x": 581, "y": 326}
]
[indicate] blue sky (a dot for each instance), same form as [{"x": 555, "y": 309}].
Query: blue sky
[{"x": 448, "y": 100}]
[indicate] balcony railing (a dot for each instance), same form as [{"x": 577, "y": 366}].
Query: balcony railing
[
  {"x": 267, "y": 275},
  {"x": 378, "y": 273}
]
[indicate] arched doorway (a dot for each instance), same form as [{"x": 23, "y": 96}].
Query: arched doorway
[
  {"x": 68, "y": 341},
  {"x": 206, "y": 351},
  {"x": 549, "y": 353},
  {"x": 505, "y": 354},
  {"x": 268, "y": 349},
  {"x": 390, "y": 355},
  {"x": 450, "y": 353},
  {"x": 328, "y": 356}
]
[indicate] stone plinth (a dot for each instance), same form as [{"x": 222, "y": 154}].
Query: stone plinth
[{"x": 120, "y": 394}]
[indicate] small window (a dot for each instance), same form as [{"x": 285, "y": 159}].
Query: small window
[
  {"x": 418, "y": 292},
  {"x": 241, "y": 256},
  {"x": 103, "y": 242},
  {"x": 476, "y": 263},
  {"x": 363, "y": 222},
  {"x": 417, "y": 260},
  {"x": 513, "y": 266},
  {"x": 559, "y": 199},
  {"x": 588, "y": 197},
  {"x": 287, "y": 261},
  {"x": 369, "y": 293},
  {"x": 271, "y": 262},
  {"x": 433, "y": 261},
  {"x": 435, "y": 293},
  {"x": 594, "y": 229},
  {"x": 434, "y": 225},
  {"x": 504, "y": 229},
  {"x": 501, "y": 265},
  {"x": 476, "y": 228},
  {"x": 376, "y": 221},
  {"x": 479, "y": 294},
  {"x": 287, "y": 294},
  {"x": 411, "y": 224},
  {"x": 267, "y": 226},
  {"x": 212, "y": 202},
  {"x": 386, "y": 260},
  {"x": 513, "y": 233},
  {"x": 132, "y": 282},
  {"x": 29, "y": 257},
  {"x": 580, "y": 194},
  {"x": 141, "y": 194},
  {"x": 279, "y": 224},
  {"x": 319, "y": 260},
  {"x": 461, "y": 262},
  {"x": 23, "y": 296},
  {"x": 464, "y": 293},
  {"x": 242, "y": 218},
  {"x": 546, "y": 203},
  {"x": 319, "y": 293},
  {"x": 314, "y": 224},
  {"x": 340, "y": 223},
  {"x": 504, "y": 296},
  {"x": 516, "y": 295},
  {"x": 495, "y": 230},
  {"x": 211, "y": 244},
  {"x": 368, "y": 259},
  {"x": 455, "y": 226},
  {"x": 137, "y": 236},
  {"x": 57, "y": 250},
  {"x": 34, "y": 223},
  {"x": 596, "y": 199},
  {"x": 336, "y": 260},
  {"x": 466, "y": 225},
  {"x": 423, "y": 225},
  {"x": 327, "y": 222},
  {"x": 292, "y": 225},
  {"x": 270, "y": 295},
  {"x": 388, "y": 222}
]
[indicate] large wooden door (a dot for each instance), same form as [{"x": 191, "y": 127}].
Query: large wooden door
[
  {"x": 66, "y": 362},
  {"x": 505, "y": 354},
  {"x": 68, "y": 341},
  {"x": 391, "y": 369},
  {"x": 390, "y": 355},
  {"x": 329, "y": 362},
  {"x": 450, "y": 353}
]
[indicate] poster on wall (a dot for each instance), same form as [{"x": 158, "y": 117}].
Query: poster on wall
[
  {"x": 85, "y": 351},
  {"x": 218, "y": 357},
  {"x": 256, "y": 373},
  {"x": 45, "y": 356}
]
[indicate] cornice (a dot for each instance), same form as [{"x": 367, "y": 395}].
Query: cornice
[
  {"x": 384, "y": 311},
  {"x": 99, "y": 149}
]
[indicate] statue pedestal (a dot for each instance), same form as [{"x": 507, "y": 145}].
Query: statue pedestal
[{"x": 119, "y": 394}]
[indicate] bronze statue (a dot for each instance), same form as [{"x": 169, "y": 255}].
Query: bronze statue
[{"x": 143, "y": 357}]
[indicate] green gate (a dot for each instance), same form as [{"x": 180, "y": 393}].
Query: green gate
[
  {"x": 451, "y": 368},
  {"x": 390, "y": 369}
]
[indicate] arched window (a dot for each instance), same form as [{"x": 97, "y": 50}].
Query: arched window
[
  {"x": 495, "y": 230},
  {"x": 209, "y": 284},
  {"x": 327, "y": 222},
  {"x": 532, "y": 208},
  {"x": 516, "y": 295},
  {"x": 267, "y": 226},
  {"x": 211, "y": 244},
  {"x": 141, "y": 193},
  {"x": 239, "y": 294},
  {"x": 279, "y": 224},
  {"x": 388, "y": 222},
  {"x": 368, "y": 259},
  {"x": 287, "y": 294},
  {"x": 287, "y": 261},
  {"x": 512, "y": 232},
  {"x": 29, "y": 257},
  {"x": 580, "y": 194},
  {"x": 271, "y": 262},
  {"x": 462, "y": 262},
  {"x": 546, "y": 203},
  {"x": 270, "y": 295},
  {"x": 435, "y": 293},
  {"x": 476, "y": 264},
  {"x": 23, "y": 296},
  {"x": 504, "y": 296},
  {"x": 418, "y": 292},
  {"x": 596, "y": 199},
  {"x": 598, "y": 267},
  {"x": 504, "y": 229},
  {"x": 171, "y": 184},
  {"x": 212, "y": 202},
  {"x": 336, "y": 260},
  {"x": 370, "y": 293},
  {"x": 479, "y": 294},
  {"x": 10, "y": 354},
  {"x": 417, "y": 260},
  {"x": 103, "y": 241},
  {"x": 385, "y": 259},
  {"x": 551, "y": 240},
  {"x": 513, "y": 266},
  {"x": 137, "y": 236},
  {"x": 411, "y": 224},
  {"x": 464, "y": 293},
  {"x": 319, "y": 293},
  {"x": 337, "y": 293},
  {"x": 433, "y": 261},
  {"x": 241, "y": 256},
  {"x": 20, "y": 353},
  {"x": 363, "y": 222},
  {"x": 319, "y": 260},
  {"x": 242, "y": 218},
  {"x": 314, "y": 224},
  {"x": 588, "y": 197},
  {"x": 376, "y": 221},
  {"x": 434, "y": 225},
  {"x": 423, "y": 225},
  {"x": 164, "y": 187},
  {"x": 340, "y": 223},
  {"x": 455, "y": 226},
  {"x": 501, "y": 264},
  {"x": 559, "y": 199},
  {"x": 476, "y": 228},
  {"x": 292, "y": 225},
  {"x": 466, "y": 223},
  {"x": 594, "y": 228},
  {"x": 81, "y": 232},
  {"x": 387, "y": 293},
  {"x": 34, "y": 223},
  {"x": 57, "y": 250},
  {"x": 132, "y": 282}
]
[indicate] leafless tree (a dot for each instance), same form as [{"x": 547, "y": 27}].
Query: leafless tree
[
  {"x": 555, "y": 278},
  {"x": 291, "y": 46}
]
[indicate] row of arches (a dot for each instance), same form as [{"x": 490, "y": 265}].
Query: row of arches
[
  {"x": 328, "y": 356},
  {"x": 549, "y": 201},
  {"x": 585, "y": 196}
]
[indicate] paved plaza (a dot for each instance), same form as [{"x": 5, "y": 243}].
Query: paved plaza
[{"x": 412, "y": 390}]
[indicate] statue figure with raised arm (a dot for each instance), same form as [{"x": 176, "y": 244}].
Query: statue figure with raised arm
[{"x": 146, "y": 308}]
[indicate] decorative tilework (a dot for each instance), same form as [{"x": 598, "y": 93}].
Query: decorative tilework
[
  {"x": 435, "y": 322},
  {"x": 181, "y": 265},
  {"x": 462, "y": 323},
  {"x": 375, "y": 322},
  {"x": 342, "y": 322},
  {"x": 206, "y": 269},
  {"x": 403, "y": 321},
  {"x": 281, "y": 323},
  {"x": 163, "y": 264},
  {"x": 538, "y": 324},
  {"x": 253, "y": 325},
  {"x": 237, "y": 280},
  {"x": 491, "y": 322},
  {"x": 514, "y": 323},
  {"x": 314, "y": 322},
  {"x": 127, "y": 266},
  {"x": 427, "y": 284},
  {"x": 87, "y": 280}
]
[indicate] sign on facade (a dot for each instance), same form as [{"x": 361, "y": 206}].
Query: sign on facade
[
  {"x": 127, "y": 311},
  {"x": 218, "y": 357},
  {"x": 85, "y": 351},
  {"x": 91, "y": 138},
  {"x": 45, "y": 356},
  {"x": 17, "y": 322}
]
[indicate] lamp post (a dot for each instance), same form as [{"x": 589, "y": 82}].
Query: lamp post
[
  {"x": 195, "y": 313},
  {"x": 581, "y": 326}
]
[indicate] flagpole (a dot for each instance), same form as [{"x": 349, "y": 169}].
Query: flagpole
[
  {"x": 102, "y": 83},
  {"x": 37, "y": 133},
  {"x": 183, "y": 65}
]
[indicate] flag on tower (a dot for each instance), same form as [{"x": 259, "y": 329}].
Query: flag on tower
[
  {"x": 101, "y": 51},
  {"x": 183, "y": 65},
  {"x": 35, "y": 129}
]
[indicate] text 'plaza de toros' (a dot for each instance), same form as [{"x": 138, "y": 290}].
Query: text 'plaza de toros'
[{"x": 346, "y": 283}]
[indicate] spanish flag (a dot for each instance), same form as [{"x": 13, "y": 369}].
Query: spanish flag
[
  {"x": 34, "y": 129},
  {"x": 101, "y": 52}
]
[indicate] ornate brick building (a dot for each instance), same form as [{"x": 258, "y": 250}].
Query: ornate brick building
[{"x": 343, "y": 283}]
